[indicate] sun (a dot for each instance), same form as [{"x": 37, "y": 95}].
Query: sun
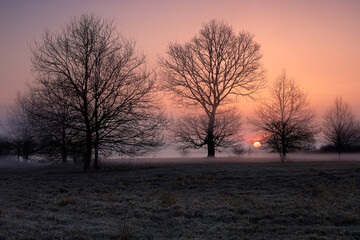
[{"x": 257, "y": 144}]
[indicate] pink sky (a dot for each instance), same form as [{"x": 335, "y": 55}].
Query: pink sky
[{"x": 317, "y": 42}]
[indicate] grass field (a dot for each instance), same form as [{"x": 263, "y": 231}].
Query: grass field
[{"x": 183, "y": 201}]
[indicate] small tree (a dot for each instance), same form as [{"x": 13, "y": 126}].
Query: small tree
[
  {"x": 51, "y": 121},
  {"x": 21, "y": 135},
  {"x": 340, "y": 128},
  {"x": 286, "y": 118},
  {"x": 4, "y": 145},
  {"x": 208, "y": 72}
]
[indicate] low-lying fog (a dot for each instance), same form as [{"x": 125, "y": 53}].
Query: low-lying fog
[{"x": 200, "y": 157}]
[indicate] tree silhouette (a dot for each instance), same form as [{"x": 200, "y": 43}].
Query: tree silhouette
[
  {"x": 340, "y": 128},
  {"x": 52, "y": 122},
  {"x": 104, "y": 82},
  {"x": 210, "y": 71},
  {"x": 21, "y": 135},
  {"x": 286, "y": 119},
  {"x": 191, "y": 130}
]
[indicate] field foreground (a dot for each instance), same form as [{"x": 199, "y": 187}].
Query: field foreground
[{"x": 183, "y": 201}]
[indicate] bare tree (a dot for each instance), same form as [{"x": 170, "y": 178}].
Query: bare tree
[
  {"x": 20, "y": 134},
  {"x": 340, "y": 128},
  {"x": 286, "y": 119},
  {"x": 191, "y": 131},
  {"x": 50, "y": 120},
  {"x": 99, "y": 76},
  {"x": 211, "y": 70},
  {"x": 4, "y": 145}
]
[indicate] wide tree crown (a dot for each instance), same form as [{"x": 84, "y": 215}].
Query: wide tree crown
[{"x": 213, "y": 65}]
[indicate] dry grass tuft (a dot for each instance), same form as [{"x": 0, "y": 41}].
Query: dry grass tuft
[
  {"x": 350, "y": 218},
  {"x": 66, "y": 201},
  {"x": 167, "y": 199}
]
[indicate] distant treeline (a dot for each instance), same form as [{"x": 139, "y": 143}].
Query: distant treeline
[{"x": 347, "y": 149}]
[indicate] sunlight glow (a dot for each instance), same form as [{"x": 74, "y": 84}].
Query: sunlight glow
[{"x": 257, "y": 144}]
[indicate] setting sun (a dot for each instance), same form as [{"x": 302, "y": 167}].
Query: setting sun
[{"x": 257, "y": 144}]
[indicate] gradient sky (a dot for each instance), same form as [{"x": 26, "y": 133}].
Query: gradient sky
[{"x": 317, "y": 42}]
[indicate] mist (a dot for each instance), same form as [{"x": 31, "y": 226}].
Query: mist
[{"x": 179, "y": 119}]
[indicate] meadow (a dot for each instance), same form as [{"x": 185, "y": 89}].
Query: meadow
[{"x": 297, "y": 200}]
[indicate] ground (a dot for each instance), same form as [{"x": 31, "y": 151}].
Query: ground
[{"x": 309, "y": 200}]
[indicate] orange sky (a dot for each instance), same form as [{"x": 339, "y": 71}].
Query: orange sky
[{"x": 317, "y": 42}]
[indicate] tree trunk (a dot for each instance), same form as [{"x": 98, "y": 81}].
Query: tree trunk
[
  {"x": 87, "y": 157},
  {"x": 96, "y": 143},
  {"x": 63, "y": 154},
  {"x": 89, "y": 141},
  {"x": 211, "y": 147},
  {"x": 96, "y": 148},
  {"x": 96, "y": 157},
  {"x": 210, "y": 136},
  {"x": 63, "y": 147},
  {"x": 283, "y": 151}
]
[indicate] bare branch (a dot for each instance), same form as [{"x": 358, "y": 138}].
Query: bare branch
[
  {"x": 286, "y": 118},
  {"x": 213, "y": 67},
  {"x": 100, "y": 78},
  {"x": 340, "y": 128}
]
